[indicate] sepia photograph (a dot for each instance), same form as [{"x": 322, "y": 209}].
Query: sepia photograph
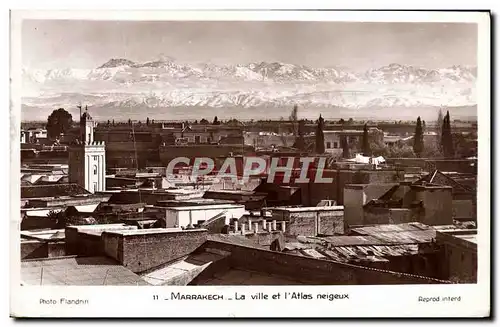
[{"x": 231, "y": 152}]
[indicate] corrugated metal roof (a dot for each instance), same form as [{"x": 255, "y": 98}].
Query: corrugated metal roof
[
  {"x": 409, "y": 233},
  {"x": 366, "y": 252},
  {"x": 351, "y": 240},
  {"x": 373, "y": 229}
]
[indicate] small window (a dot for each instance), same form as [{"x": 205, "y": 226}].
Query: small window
[
  {"x": 95, "y": 169},
  {"x": 335, "y": 145},
  {"x": 328, "y": 145},
  {"x": 95, "y": 157}
]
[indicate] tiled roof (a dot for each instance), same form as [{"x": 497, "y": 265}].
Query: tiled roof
[
  {"x": 56, "y": 190},
  {"x": 77, "y": 271}
]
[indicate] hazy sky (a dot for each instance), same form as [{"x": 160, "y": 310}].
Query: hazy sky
[{"x": 89, "y": 44}]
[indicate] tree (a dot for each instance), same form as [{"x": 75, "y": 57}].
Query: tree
[
  {"x": 345, "y": 147},
  {"x": 464, "y": 145},
  {"x": 446, "y": 137},
  {"x": 130, "y": 122},
  {"x": 320, "y": 137},
  {"x": 147, "y": 121},
  {"x": 350, "y": 121},
  {"x": 216, "y": 121},
  {"x": 439, "y": 124},
  {"x": 58, "y": 122},
  {"x": 300, "y": 143},
  {"x": 293, "y": 118},
  {"x": 418, "y": 139},
  {"x": 113, "y": 122},
  {"x": 341, "y": 121},
  {"x": 203, "y": 121},
  {"x": 366, "y": 142}
]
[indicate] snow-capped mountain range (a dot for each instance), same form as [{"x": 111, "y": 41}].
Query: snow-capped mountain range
[{"x": 121, "y": 84}]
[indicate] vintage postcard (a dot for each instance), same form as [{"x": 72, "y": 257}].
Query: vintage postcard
[{"x": 250, "y": 164}]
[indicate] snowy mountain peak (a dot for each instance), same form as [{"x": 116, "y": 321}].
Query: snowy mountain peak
[
  {"x": 112, "y": 63},
  {"x": 164, "y": 82}
]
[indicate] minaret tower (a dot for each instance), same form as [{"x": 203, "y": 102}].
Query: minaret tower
[{"x": 87, "y": 158}]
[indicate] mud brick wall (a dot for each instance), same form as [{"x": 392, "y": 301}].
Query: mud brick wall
[
  {"x": 437, "y": 202},
  {"x": 56, "y": 249},
  {"x": 301, "y": 223},
  {"x": 374, "y": 216},
  {"x": 82, "y": 243},
  {"x": 35, "y": 249},
  {"x": 400, "y": 216},
  {"x": 263, "y": 238},
  {"x": 464, "y": 209},
  {"x": 140, "y": 252},
  {"x": 29, "y": 223},
  {"x": 71, "y": 237},
  {"x": 314, "y": 223},
  {"x": 311, "y": 271}
]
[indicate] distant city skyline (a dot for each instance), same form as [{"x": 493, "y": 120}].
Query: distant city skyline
[{"x": 50, "y": 44}]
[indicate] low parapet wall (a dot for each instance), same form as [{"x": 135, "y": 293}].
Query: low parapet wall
[{"x": 312, "y": 271}]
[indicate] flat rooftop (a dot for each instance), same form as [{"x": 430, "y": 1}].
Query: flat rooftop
[
  {"x": 77, "y": 271},
  {"x": 128, "y": 232},
  {"x": 238, "y": 192},
  {"x": 308, "y": 209},
  {"x": 206, "y": 207},
  {"x": 99, "y": 229},
  {"x": 197, "y": 201},
  {"x": 468, "y": 235},
  {"x": 44, "y": 235}
]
